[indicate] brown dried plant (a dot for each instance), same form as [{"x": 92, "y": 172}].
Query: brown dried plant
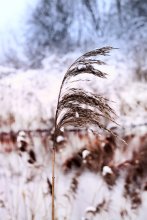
[
  {"x": 89, "y": 107},
  {"x": 79, "y": 108}
]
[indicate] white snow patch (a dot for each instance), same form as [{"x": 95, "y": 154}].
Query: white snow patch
[
  {"x": 60, "y": 138},
  {"x": 106, "y": 170},
  {"x": 85, "y": 153}
]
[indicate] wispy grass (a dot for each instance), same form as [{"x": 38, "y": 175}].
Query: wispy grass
[{"x": 77, "y": 107}]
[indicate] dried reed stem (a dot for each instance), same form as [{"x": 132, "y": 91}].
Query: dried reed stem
[{"x": 53, "y": 183}]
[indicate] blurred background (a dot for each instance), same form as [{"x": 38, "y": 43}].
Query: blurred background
[{"x": 39, "y": 40}]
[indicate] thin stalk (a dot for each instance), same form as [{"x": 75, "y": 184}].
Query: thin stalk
[{"x": 53, "y": 183}]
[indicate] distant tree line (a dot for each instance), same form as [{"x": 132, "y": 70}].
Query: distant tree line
[{"x": 60, "y": 26}]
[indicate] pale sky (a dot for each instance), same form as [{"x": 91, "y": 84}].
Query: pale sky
[
  {"x": 10, "y": 12},
  {"x": 12, "y": 16}
]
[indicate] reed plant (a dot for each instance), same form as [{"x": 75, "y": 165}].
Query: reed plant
[{"x": 77, "y": 107}]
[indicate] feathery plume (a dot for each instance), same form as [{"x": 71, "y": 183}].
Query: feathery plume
[{"x": 77, "y": 107}]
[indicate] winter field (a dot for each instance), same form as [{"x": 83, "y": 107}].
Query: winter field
[
  {"x": 101, "y": 154},
  {"x": 97, "y": 176}
]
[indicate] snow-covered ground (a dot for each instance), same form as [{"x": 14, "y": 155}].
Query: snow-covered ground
[
  {"x": 105, "y": 187},
  {"x": 31, "y": 95},
  {"x": 28, "y": 100}
]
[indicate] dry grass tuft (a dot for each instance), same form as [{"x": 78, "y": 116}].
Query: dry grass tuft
[{"x": 77, "y": 107}]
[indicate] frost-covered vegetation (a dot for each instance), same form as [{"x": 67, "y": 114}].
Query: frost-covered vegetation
[{"x": 98, "y": 176}]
